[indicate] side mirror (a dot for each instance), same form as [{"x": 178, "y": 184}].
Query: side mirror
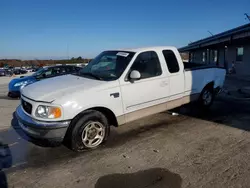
[{"x": 135, "y": 75}]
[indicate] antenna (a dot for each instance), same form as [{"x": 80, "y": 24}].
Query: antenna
[
  {"x": 210, "y": 33},
  {"x": 247, "y": 17},
  {"x": 68, "y": 50}
]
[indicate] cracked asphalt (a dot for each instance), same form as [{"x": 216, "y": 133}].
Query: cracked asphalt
[{"x": 192, "y": 149}]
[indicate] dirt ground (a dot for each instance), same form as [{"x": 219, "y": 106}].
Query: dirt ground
[{"x": 193, "y": 149}]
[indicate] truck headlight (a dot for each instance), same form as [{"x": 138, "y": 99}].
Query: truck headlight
[{"x": 50, "y": 112}]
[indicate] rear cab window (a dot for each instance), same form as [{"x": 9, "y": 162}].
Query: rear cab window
[{"x": 171, "y": 61}]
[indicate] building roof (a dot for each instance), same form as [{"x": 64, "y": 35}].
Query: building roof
[{"x": 238, "y": 32}]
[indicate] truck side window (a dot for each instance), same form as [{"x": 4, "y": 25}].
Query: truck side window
[
  {"x": 171, "y": 61},
  {"x": 148, "y": 64}
]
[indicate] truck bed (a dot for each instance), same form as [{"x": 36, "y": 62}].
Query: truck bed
[
  {"x": 194, "y": 66},
  {"x": 199, "y": 75}
]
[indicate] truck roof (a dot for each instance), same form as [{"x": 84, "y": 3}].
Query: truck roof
[{"x": 149, "y": 48}]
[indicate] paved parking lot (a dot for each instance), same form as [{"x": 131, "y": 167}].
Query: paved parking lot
[{"x": 193, "y": 149}]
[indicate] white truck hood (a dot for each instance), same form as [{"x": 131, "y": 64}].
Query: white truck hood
[{"x": 50, "y": 89}]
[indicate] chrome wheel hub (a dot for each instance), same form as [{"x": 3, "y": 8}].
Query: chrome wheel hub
[{"x": 93, "y": 134}]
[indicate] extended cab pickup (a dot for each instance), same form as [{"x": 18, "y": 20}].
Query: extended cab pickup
[{"x": 115, "y": 88}]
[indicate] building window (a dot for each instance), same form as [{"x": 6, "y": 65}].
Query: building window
[
  {"x": 208, "y": 56},
  {"x": 203, "y": 57},
  {"x": 191, "y": 57},
  {"x": 239, "y": 53},
  {"x": 215, "y": 56}
]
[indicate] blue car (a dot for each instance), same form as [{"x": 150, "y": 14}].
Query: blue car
[{"x": 43, "y": 73}]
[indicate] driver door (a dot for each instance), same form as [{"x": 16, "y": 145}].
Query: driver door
[{"x": 144, "y": 96}]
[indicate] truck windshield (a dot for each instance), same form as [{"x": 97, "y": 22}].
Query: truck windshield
[{"x": 109, "y": 65}]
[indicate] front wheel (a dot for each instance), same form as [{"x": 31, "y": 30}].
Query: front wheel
[
  {"x": 206, "y": 97},
  {"x": 88, "y": 131}
]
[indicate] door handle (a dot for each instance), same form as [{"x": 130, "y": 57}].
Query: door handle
[
  {"x": 115, "y": 95},
  {"x": 164, "y": 83}
]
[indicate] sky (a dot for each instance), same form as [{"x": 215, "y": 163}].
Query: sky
[{"x": 57, "y": 29}]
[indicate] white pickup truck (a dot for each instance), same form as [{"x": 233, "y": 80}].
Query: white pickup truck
[{"x": 115, "y": 88}]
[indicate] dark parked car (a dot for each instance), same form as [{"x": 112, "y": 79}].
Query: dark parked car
[
  {"x": 19, "y": 71},
  {"x": 5, "y": 72},
  {"x": 8, "y": 72},
  {"x": 2, "y": 72},
  {"x": 43, "y": 73}
]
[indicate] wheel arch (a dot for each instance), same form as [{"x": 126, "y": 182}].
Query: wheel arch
[
  {"x": 210, "y": 84},
  {"x": 109, "y": 114}
]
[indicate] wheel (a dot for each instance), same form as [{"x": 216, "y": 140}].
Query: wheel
[
  {"x": 206, "y": 97},
  {"x": 89, "y": 130}
]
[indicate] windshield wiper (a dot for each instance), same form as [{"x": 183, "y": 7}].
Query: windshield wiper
[{"x": 91, "y": 75}]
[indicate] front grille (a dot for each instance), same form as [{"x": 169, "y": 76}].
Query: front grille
[{"x": 26, "y": 106}]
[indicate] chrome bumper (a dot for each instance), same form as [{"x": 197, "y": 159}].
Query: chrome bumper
[{"x": 51, "y": 131}]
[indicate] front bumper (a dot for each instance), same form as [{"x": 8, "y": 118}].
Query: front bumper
[
  {"x": 39, "y": 130},
  {"x": 14, "y": 94}
]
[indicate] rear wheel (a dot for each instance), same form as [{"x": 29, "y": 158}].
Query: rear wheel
[
  {"x": 206, "y": 97},
  {"x": 88, "y": 131}
]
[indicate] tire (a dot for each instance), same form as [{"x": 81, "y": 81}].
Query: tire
[
  {"x": 87, "y": 131},
  {"x": 206, "y": 98}
]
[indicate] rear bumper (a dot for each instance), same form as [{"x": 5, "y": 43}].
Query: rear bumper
[{"x": 46, "y": 132}]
